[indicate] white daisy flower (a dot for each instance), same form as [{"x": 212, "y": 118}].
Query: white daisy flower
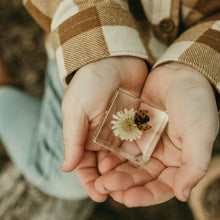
[{"x": 124, "y": 126}]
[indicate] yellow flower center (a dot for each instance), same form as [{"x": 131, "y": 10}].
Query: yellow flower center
[{"x": 128, "y": 124}]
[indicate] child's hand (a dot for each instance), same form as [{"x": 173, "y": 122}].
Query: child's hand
[
  {"x": 183, "y": 153},
  {"x": 84, "y": 103}
]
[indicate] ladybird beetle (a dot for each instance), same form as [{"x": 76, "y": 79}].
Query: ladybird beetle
[{"x": 141, "y": 119}]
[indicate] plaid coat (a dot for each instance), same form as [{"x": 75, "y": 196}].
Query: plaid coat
[{"x": 159, "y": 31}]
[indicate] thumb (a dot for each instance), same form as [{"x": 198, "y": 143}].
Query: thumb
[
  {"x": 75, "y": 129},
  {"x": 196, "y": 154}
]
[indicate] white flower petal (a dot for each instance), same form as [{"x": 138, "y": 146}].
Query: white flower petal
[{"x": 124, "y": 126}]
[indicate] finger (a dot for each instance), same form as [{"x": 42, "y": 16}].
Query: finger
[
  {"x": 154, "y": 167},
  {"x": 75, "y": 129},
  {"x": 87, "y": 173},
  {"x": 126, "y": 176},
  {"x": 196, "y": 155},
  {"x": 151, "y": 170},
  {"x": 114, "y": 181},
  {"x": 109, "y": 161},
  {"x": 117, "y": 196},
  {"x": 152, "y": 193},
  {"x": 101, "y": 154}
]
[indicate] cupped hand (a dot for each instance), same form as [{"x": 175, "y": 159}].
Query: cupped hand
[
  {"x": 84, "y": 103},
  {"x": 183, "y": 153}
]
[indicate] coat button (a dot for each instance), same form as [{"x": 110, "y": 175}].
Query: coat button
[{"x": 166, "y": 25}]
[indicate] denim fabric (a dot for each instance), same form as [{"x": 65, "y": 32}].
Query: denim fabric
[{"x": 31, "y": 132}]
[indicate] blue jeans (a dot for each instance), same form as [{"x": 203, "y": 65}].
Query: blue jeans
[{"x": 31, "y": 132}]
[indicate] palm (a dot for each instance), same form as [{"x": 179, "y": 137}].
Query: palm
[{"x": 183, "y": 152}]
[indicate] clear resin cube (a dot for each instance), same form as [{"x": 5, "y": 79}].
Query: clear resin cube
[{"x": 131, "y": 127}]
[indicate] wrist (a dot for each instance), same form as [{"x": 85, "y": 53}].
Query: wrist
[
  {"x": 186, "y": 74},
  {"x": 172, "y": 78}
]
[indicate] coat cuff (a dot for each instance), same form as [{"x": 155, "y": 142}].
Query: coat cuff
[
  {"x": 198, "y": 47},
  {"x": 93, "y": 34}
]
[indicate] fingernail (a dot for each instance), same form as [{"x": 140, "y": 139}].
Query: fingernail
[
  {"x": 63, "y": 165},
  {"x": 186, "y": 193}
]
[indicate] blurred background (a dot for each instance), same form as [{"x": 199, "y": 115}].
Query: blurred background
[{"x": 21, "y": 45}]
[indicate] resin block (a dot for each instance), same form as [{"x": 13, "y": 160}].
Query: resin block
[{"x": 131, "y": 127}]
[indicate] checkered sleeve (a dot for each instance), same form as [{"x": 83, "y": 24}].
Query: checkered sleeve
[
  {"x": 198, "y": 47},
  {"x": 92, "y": 30},
  {"x": 42, "y": 11},
  {"x": 83, "y": 31}
]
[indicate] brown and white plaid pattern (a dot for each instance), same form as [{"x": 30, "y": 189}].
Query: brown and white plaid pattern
[
  {"x": 159, "y": 31},
  {"x": 198, "y": 47}
]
